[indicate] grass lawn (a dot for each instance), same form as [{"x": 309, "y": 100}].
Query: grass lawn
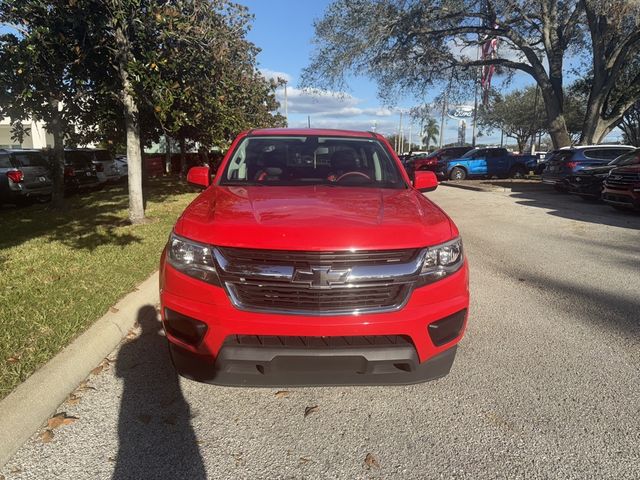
[{"x": 61, "y": 271}]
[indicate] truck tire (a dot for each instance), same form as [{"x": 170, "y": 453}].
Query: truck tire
[
  {"x": 458, "y": 173},
  {"x": 518, "y": 171}
]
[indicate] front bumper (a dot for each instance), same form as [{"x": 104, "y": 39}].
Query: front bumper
[
  {"x": 217, "y": 360},
  {"x": 626, "y": 197},
  {"x": 240, "y": 364}
]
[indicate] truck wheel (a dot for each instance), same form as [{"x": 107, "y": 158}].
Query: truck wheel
[
  {"x": 518, "y": 171},
  {"x": 457, "y": 173}
]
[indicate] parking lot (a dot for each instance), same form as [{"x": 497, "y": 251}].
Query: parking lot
[{"x": 545, "y": 384}]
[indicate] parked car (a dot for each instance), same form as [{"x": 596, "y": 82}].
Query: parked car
[
  {"x": 486, "y": 162},
  {"x": 571, "y": 160},
  {"x": 80, "y": 172},
  {"x": 123, "y": 166},
  {"x": 432, "y": 161},
  {"x": 24, "y": 175},
  {"x": 588, "y": 182},
  {"x": 543, "y": 159},
  {"x": 336, "y": 270},
  {"x": 622, "y": 187}
]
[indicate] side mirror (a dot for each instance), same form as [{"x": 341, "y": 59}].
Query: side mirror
[
  {"x": 198, "y": 176},
  {"x": 425, "y": 181}
]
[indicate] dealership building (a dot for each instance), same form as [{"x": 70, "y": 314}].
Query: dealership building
[{"x": 37, "y": 136}]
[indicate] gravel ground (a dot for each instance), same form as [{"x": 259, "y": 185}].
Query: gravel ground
[{"x": 546, "y": 383}]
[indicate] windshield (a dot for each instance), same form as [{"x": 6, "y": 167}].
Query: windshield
[
  {"x": 103, "y": 156},
  {"x": 31, "y": 159},
  {"x": 312, "y": 160},
  {"x": 470, "y": 153},
  {"x": 78, "y": 158},
  {"x": 631, "y": 158}
]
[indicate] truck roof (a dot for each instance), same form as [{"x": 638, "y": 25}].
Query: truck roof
[{"x": 327, "y": 132}]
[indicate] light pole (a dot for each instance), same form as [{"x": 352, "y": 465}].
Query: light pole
[{"x": 286, "y": 103}]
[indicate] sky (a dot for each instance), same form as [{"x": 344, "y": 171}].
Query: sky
[{"x": 283, "y": 29}]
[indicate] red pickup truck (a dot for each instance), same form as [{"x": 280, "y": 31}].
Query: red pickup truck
[{"x": 313, "y": 259}]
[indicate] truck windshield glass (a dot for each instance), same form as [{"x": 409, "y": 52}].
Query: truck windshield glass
[
  {"x": 631, "y": 158},
  {"x": 312, "y": 160}
]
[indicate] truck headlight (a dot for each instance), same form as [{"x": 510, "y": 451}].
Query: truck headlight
[
  {"x": 192, "y": 258},
  {"x": 441, "y": 260}
]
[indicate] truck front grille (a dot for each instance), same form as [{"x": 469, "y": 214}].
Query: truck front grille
[
  {"x": 318, "y": 283},
  {"x": 622, "y": 179},
  {"x": 302, "y": 258},
  {"x": 332, "y": 300}
]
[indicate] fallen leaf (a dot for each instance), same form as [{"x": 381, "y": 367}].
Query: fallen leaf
[
  {"x": 114, "y": 310},
  {"x": 46, "y": 436},
  {"x": 371, "y": 461},
  {"x": 309, "y": 410},
  {"x": 13, "y": 359},
  {"x": 16, "y": 470},
  {"x": 304, "y": 460},
  {"x": 111, "y": 459},
  {"x": 60, "y": 419},
  {"x": 84, "y": 386},
  {"x": 281, "y": 394},
  {"x": 73, "y": 399},
  {"x": 103, "y": 364}
]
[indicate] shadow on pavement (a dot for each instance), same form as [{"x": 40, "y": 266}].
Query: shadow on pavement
[
  {"x": 88, "y": 220},
  {"x": 156, "y": 439},
  {"x": 534, "y": 194},
  {"x": 603, "y": 308}
]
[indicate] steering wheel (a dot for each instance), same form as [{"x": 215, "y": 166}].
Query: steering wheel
[{"x": 353, "y": 174}]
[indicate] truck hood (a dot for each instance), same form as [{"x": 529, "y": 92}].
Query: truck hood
[
  {"x": 596, "y": 170},
  {"x": 314, "y": 218}
]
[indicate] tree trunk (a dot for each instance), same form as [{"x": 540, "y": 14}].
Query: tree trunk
[
  {"x": 134, "y": 157},
  {"x": 57, "y": 195},
  {"x": 557, "y": 124},
  {"x": 167, "y": 153},
  {"x": 183, "y": 157}
]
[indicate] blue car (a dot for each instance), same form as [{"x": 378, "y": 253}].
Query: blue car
[
  {"x": 487, "y": 162},
  {"x": 569, "y": 161}
]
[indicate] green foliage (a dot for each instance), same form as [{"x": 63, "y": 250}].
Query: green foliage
[
  {"x": 71, "y": 266},
  {"x": 191, "y": 67},
  {"x": 519, "y": 114},
  {"x": 192, "y": 70},
  {"x": 430, "y": 132},
  {"x": 412, "y": 45}
]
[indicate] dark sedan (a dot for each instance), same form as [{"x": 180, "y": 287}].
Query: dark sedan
[{"x": 588, "y": 182}]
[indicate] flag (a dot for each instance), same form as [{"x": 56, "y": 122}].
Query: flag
[{"x": 489, "y": 51}]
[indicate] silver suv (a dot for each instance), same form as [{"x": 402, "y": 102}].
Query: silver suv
[{"x": 24, "y": 174}]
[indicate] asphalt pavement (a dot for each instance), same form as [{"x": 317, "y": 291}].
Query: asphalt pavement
[{"x": 546, "y": 383}]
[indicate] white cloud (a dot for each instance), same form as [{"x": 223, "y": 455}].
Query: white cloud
[
  {"x": 386, "y": 126},
  {"x": 274, "y": 75},
  {"x": 319, "y": 102}
]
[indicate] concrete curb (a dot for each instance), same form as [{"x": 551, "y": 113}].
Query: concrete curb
[
  {"x": 463, "y": 187},
  {"x": 26, "y": 409}
]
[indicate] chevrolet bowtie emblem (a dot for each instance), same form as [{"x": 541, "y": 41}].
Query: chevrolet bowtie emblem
[{"x": 321, "y": 277}]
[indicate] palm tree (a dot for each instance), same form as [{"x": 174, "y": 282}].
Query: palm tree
[{"x": 430, "y": 132}]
